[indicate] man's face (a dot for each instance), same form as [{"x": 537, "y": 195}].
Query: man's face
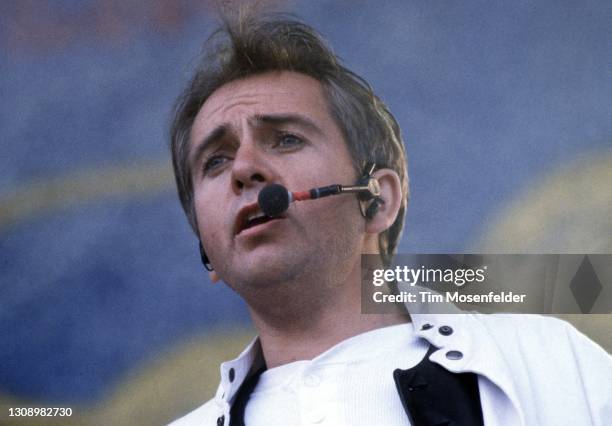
[{"x": 271, "y": 128}]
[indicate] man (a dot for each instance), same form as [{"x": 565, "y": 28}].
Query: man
[{"x": 272, "y": 104}]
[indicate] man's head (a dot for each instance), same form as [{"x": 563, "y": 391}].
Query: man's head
[{"x": 253, "y": 46}]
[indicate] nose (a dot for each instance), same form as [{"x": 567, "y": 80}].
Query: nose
[{"x": 250, "y": 168}]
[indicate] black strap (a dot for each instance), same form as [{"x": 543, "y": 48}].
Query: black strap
[
  {"x": 242, "y": 398},
  {"x": 433, "y": 396}
]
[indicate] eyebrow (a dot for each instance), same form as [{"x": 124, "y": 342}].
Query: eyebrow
[{"x": 283, "y": 119}]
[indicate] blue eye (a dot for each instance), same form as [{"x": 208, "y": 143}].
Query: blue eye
[
  {"x": 213, "y": 163},
  {"x": 287, "y": 140}
]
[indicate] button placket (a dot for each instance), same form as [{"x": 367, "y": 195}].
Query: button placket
[
  {"x": 316, "y": 415},
  {"x": 314, "y": 397}
]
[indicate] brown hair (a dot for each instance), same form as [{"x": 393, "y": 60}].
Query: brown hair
[{"x": 255, "y": 44}]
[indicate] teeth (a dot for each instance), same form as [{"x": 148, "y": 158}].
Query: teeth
[{"x": 254, "y": 216}]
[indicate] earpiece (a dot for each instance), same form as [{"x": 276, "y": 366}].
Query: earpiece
[
  {"x": 373, "y": 186},
  {"x": 367, "y": 180},
  {"x": 205, "y": 260},
  {"x": 372, "y": 209}
]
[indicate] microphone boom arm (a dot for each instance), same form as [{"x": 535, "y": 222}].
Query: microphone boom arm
[{"x": 274, "y": 199}]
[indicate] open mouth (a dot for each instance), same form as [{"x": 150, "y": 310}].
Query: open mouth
[
  {"x": 250, "y": 217},
  {"x": 254, "y": 220}
]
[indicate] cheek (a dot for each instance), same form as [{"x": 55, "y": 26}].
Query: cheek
[
  {"x": 206, "y": 218},
  {"x": 335, "y": 215},
  {"x": 212, "y": 241},
  {"x": 209, "y": 200},
  {"x": 207, "y": 222},
  {"x": 210, "y": 233},
  {"x": 214, "y": 221}
]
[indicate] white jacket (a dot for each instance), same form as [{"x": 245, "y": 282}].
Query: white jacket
[{"x": 532, "y": 370}]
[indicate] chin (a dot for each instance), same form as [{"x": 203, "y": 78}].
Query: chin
[{"x": 272, "y": 271}]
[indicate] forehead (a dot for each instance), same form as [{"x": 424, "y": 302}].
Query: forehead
[{"x": 272, "y": 92}]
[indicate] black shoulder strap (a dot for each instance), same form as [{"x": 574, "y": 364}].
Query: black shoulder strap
[
  {"x": 433, "y": 396},
  {"x": 242, "y": 398}
]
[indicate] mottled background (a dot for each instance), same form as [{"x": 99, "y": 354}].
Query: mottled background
[{"x": 104, "y": 306}]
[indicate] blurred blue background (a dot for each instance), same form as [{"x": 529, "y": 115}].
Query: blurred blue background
[{"x": 99, "y": 272}]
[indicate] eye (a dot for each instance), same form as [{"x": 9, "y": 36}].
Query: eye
[
  {"x": 213, "y": 163},
  {"x": 288, "y": 140}
]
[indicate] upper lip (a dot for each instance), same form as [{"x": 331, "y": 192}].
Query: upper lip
[{"x": 243, "y": 215}]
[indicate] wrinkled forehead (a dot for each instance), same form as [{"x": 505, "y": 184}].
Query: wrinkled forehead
[{"x": 239, "y": 102}]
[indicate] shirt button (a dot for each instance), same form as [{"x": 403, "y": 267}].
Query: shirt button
[
  {"x": 454, "y": 355},
  {"x": 232, "y": 374},
  {"x": 316, "y": 416},
  {"x": 220, "y": 421},
  {"x": 445, "y": 330},
  {"x": 312, "y": 380},
  {"x": 426, "y": 326}
]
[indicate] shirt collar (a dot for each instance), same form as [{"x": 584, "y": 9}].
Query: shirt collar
[
  {"x": 464, "y": 344},
  {"x": 235, "y": 372}
]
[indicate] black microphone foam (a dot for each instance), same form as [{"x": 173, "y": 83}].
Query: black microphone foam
[{"x": 273, "y": 199}]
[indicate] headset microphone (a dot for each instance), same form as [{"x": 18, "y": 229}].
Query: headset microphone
[{"x": 274, "y": 199}]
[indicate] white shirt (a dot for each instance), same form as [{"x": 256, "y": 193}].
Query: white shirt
[
  {"x": 349, "y": 384},
  {"x": 532, "y": 370}
]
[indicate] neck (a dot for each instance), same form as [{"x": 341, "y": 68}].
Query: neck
[{"x": 302, "y": 325}]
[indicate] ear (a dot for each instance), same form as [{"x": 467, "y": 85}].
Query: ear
[
  {"x": 214, "y": 277},
  {"x": 391, "y": 194}
]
